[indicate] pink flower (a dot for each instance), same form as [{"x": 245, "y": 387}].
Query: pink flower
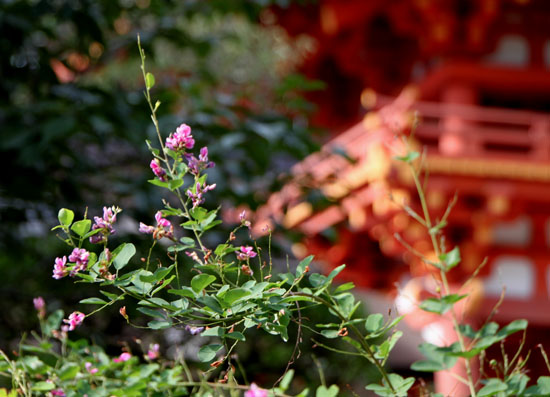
[
  {"x": 59, "y": 268},
  {"x": 39, "y": 303},
  {"x": 245, "y": 253},
  {"x": 162, "y": 222},
  {"x": 181, "y": 139},
  {"x": 123, "y": 357},
  {"x": 143, "y": 228},
  {"x": 89, "y": 367},
  {"x": 80, "y": 257},
  {"x": 164, "y": 227},
  {"x": 105, "y": 224},
  {"x": 40, "y": 306},
  {"x": 158, "y": 170},
  {"x": 255, "y": 391},
  {"x": 75, "y": 319},
  {"x": 58, "y": 392},
  {"x": 153, "y": 352},
  {"x": 244, "y": 221}
]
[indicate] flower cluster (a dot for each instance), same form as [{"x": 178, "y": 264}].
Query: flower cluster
[
  {"x": 181, "y": 139},
  {"x": 245, "y": 253},
  {"x": 196, "y": 165},
  {"x": 80, "y": 258},
  {"x": 164, "y": 227},
  {"x": 75, "y": 319},
  {"x": 196, "y": 196},
  {"x": 104, "y": 224}
]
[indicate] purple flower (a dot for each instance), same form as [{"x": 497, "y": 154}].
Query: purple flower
[
  {"x": 197, "y": 195},
  {"x": 255, "y": 391},
  {"x": 153, "y": 352},
  {"x": 197, "y": 165},
  {"x": 123, "y": 357},
  {"x": 89, "y": 367},
  {"x": 245, "y": 253},
  {"x": 59, "y": 268},
  {"x": 194, "y": 330},
  {"x": 158, "y": 170},
  {"x": 80, "y": 257},
  {"x": 58, "y": 392},
  {"x": 181, "y": 139},
  {"x": 75, "y": 319}
]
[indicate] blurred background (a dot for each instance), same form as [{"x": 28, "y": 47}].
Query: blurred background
[{"x": 265, "y": 84}]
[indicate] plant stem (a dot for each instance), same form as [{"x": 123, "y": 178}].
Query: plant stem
[{"x": 443, "y": 274}]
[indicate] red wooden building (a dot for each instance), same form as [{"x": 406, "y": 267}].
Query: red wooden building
[{"x": 477, "y": 74}]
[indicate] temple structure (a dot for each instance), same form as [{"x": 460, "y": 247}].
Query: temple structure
[{"x": 471, "y": 80}]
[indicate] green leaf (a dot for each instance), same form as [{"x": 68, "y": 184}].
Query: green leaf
[
  {"x": 335, "y": 272},
  {"x": 234, "y": 295},
  {"x": 374, "y": 322},
  {"x": 68, "y": 371},
  {"x": 317, "y": 280},
  {"x": 208, "y": 352},
  {"x": 81, "y": 227},
  {"x": 211, "y": 303},
  {"x": 322, "y": 391},
  {"x": 441, "y": 306},
  {"x": 158, "y": 183},
  {"x": 65, "y": 216},
  {"x": 93, "y": 301},
  {"x": 451, "y": 258},
  {"x": 53, "y": 322},
  {"x": 330, "y": 333},
  {"x": 214, "y": 331},
  {"x": 302, "y": 265},
  {"x": 201, "y": 281},
  {"x": 198, "y": 213},
  {"x": 492, "y": 387},
  {"x": 236, "y": 335},
  {"x": 151, "y": 312},
  {"x": 409, "y": 157},
  {"x": 542, "y": 387},
  {"x": 438, "y": 358},
  {"x": 142, "y": 287},
  {"x": 175, "y": 183},
  {"x": 344, "y": 287},
  {"x": 149, "y": 80},
  {"x": 159, "y": 324},
  {"x": 183, "y": 291},
  {"x": 43, "y": 386},
  {"x": 346, "y": 304},
  {"x": 285, "y": 382},
  {"x": 123, "y": 254},
  {"x": 401, "y": 386}
]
